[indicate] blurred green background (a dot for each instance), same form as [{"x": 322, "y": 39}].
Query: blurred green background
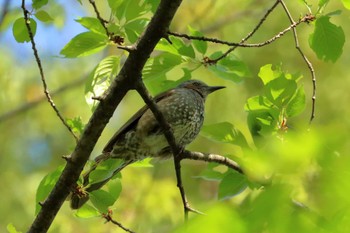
[{"x": 312, "y": 168}]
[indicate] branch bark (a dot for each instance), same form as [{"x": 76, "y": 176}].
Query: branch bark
[{"x": 127, "y": 78}]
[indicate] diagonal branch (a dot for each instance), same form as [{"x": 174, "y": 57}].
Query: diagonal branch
[{"x": 129, "y": 74}]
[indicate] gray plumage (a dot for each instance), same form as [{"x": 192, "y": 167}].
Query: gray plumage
[{"x": 142, "y": 137}]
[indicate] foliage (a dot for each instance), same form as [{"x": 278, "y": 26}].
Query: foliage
[{"x": 295, "y": 179}]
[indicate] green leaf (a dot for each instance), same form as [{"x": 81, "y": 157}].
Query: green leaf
[
  {"x": 92, "y": 24},
  {"x": 11, "y": 228},
  {"x": 160, "y": 65},
  {"x": 114, "y": 187},
  {"x": 267, "y": 73},
  {"x": 178, "y": 47},
  {"x": 200, "y": 46},
  {"x": 134, "y": 28},
  {"x": 346, "y": 4},
  {"x": 280, "y": 90},
  {"x": 104, "y": 170},
  {"x": 210, "y": 174},
  {"x": 230, "y": 68},
  {"x": 87, "y": 211},
  {"x": 297, "y": 104},
  {"x": 43, "y": 16},
  {"x": 84, "y": 44},
  {"x": 143, "y": 163},
  {"x": 102, "y": 200},
  {"x": 100, "y": 78},
  {"x": 76, "y": 124},
  {"x": 39, "y": 3},
  {"x": 328, "y": 40},
  {"x": 20, "y": 31},
  {"x": 231, "y": 185},
  {"x": 224, "y": 132},
  {"x": 46, "y": 185}
]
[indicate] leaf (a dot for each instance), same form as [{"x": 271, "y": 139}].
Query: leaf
[
  {"x": 210, "y": 174},
  {"x": 43, "y": 16},
  {"x": 200, "y": 46},
  {"x": 20, "y": 31},
  {"x": 328, "y": 40},
  {"x": 267, "y": 74},
  {"x": 101, "y": 199},
  {"x": 134, "y": 28},
  {"x": 84, "y": 44},
  {"x": 39, "y": 3},
  {"x": 230, "y": 68},
  {"x": 231, "y": 185},
  {"x": 104, "y": 170},
  {"x": 143, "y": 163},
  {"x": 160, "y": 65},
  {"x": 11, "y": 228},
  {"x": 346, "y": 4},
  {"x": 297, "y": 104},
  {"x": 178, "y": 47},
  {"x": 224, "y": 132},
  {"x": 99, "y": 79},
  {"x": 87, "y": 211},
  {"x": 46, "y": 185},
  {"x": 76, "y": 125},
  {"x": 92, "y": 24}
]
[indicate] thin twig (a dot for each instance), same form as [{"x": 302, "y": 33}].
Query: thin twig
[
  {"x": 98, "y": 15},
  {"x": 241, "y": 44},
  {"x": 109, "y": 218},
  {"x": 262, "y": 20},
  {"x": 308, "y": 63},
  {"x": 43, "y": 80},
  {"x": 111, "y": 36}
]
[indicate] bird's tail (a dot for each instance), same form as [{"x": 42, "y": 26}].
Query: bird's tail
[{"x": 81, "y": 195}]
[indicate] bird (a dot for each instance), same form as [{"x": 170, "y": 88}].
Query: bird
[{"x": 142, "y": 136}]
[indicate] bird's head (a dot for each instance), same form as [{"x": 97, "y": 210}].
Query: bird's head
[{"x": 203, "y": 89}]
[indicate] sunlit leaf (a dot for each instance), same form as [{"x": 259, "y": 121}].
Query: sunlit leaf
[
  {"x": 100, "y": 78},
  {"x": 84, "y": 44},
  {"x": 43, "y": 16},
  {"x": 346, "y": 3},
  {"x": 11, "y": 228},
  {"x": 87, "y": 211},
  {"x": 20, "y": 31},
  {"x": 328, "y": 40},
  {"x": 93, "y": 24}
]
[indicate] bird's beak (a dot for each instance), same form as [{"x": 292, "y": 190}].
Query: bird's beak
[{"x": 215, "y": 88}]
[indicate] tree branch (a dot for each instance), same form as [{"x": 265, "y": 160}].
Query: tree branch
[
  {"x": 41, "y": 70},
  {"x": 211, "y": 158},
  {"x": 129, "y": 74}
]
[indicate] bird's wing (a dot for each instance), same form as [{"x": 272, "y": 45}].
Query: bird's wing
[{"x": 132, "y": 122}]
